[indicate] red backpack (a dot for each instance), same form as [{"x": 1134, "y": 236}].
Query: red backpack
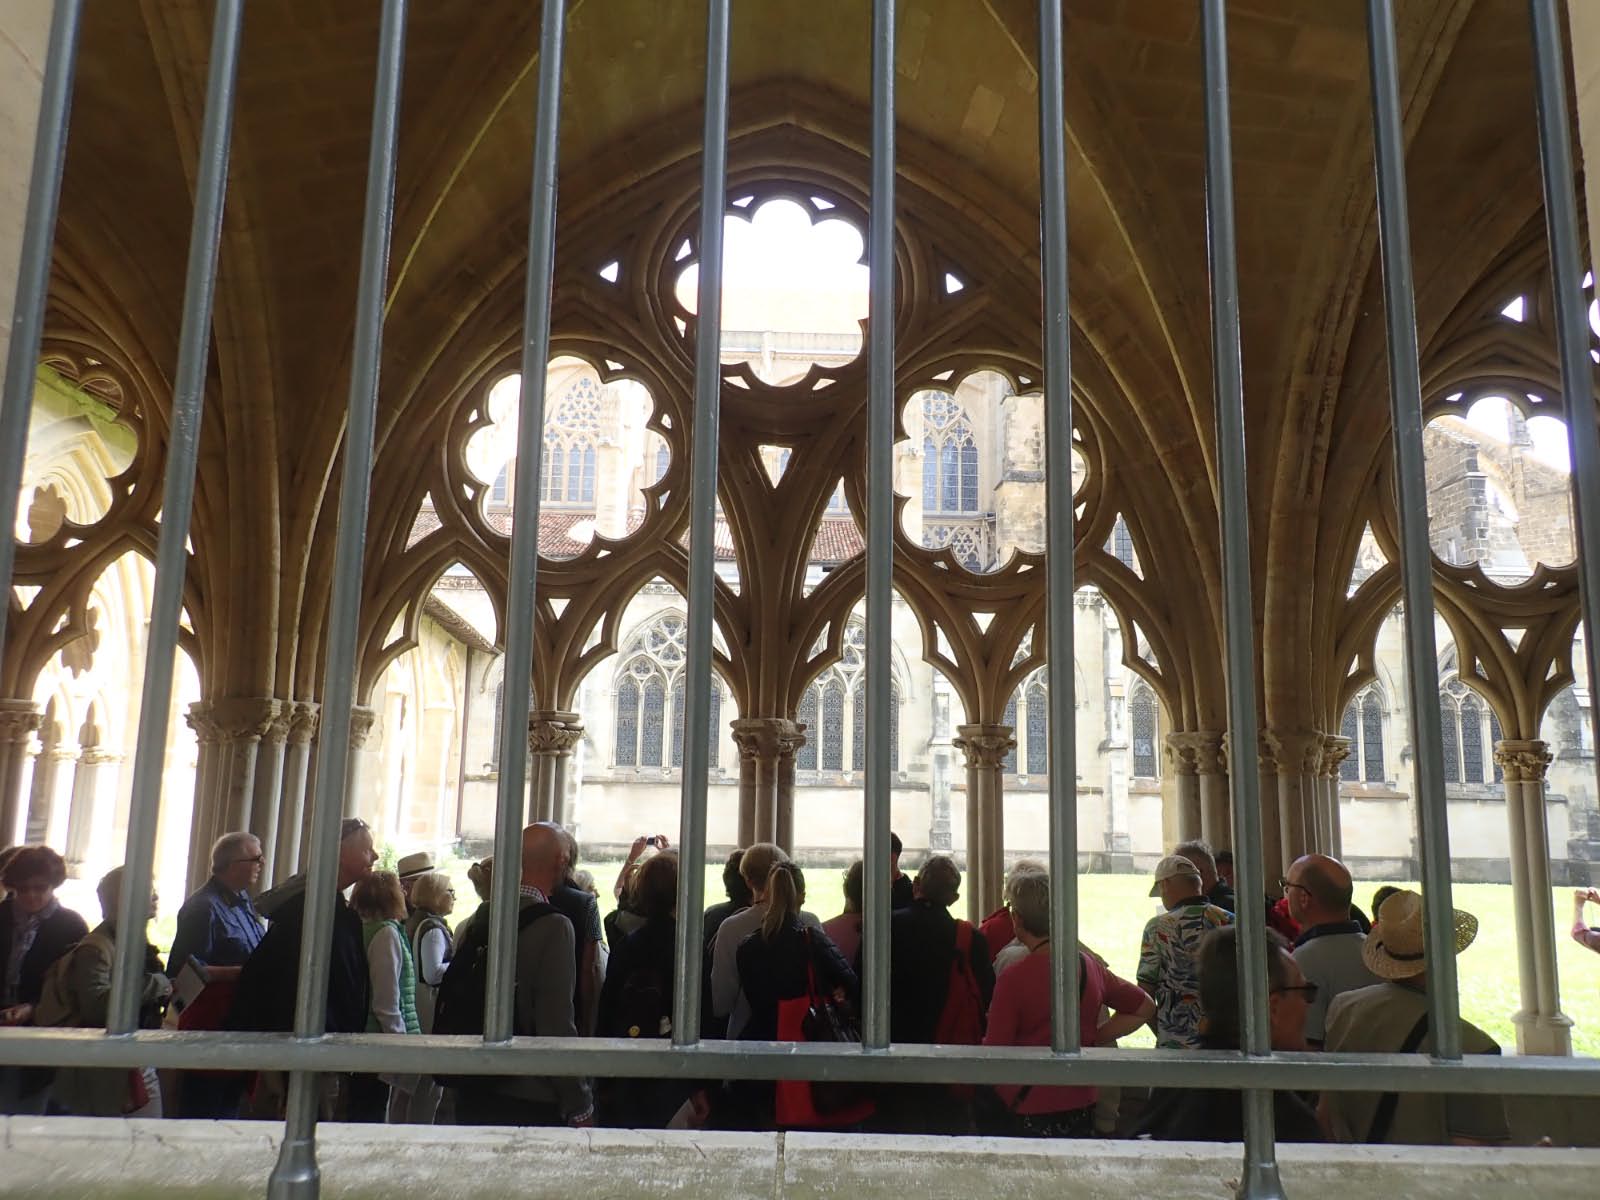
[{"x": 961, "y": 1021}]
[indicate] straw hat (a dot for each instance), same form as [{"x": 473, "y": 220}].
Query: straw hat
[
  {"x": 1393, "y": 949},
  {"x": 411, "y": 865}
]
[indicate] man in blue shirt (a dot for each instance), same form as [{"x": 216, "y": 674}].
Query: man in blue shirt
[{"x": 218, "y": 925}]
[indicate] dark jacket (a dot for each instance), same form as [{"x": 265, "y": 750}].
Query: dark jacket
[
  {"x": 271, "y": 976},
  {"x": 651, "y": 947},
  {"x": 922, "y": 948},
  {"x": 902, "y": 893},
  {"x": 1223, "y": 896},
  {"x": 648, "y": 953},
  {"x": 770, "y": 971},
  {"x": 58, "y": 933}
]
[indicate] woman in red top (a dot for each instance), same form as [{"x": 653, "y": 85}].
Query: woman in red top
[{"x": 1019, "y": 1015}]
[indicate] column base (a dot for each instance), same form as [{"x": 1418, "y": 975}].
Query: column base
[{"x": 1541, "y": 1034}]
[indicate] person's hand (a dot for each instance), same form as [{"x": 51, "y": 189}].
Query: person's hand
[
  {"x": 17, "y": 1014},
  {"x": 583, "y": 1120},
  {"x": 639, "y": 843},
  {"x": 1592, "y": 894},
  {"x": 663, "y": 842}
]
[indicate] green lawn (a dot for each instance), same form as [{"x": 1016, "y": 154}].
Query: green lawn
[{"x": 1114, "y": 908}]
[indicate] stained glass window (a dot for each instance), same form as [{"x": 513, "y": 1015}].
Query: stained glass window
[
  {"x": 1038, "y": 724},
  {"x": 930, "y": 475},
  {"x": 498, "y": 490},
  {"x": 1471, "y": 740},
  {"x": 572, "y": 427},
  {"x": 1122, "y": 542},
  {"x": 833, "y": 727},
  {"x": 1450, "y": 724},
  {"x": 1372, "y": 737},
  {"x": 1496, "y": 736},
  {"x": 806, "y": 758},
  {"x": 1350, "y": 727},
  {"x": 627, "y": 723},
  {"x": 858, "y": 727},
  {"x": 1009, "y": 717},
  {"x": 949, "y": 457},
  {"x": 588, "y": 474},
  {"x": 677, "y": 724},
  {"x": 663, "y": 460},
  {"x": 1142, "y": 722},
  {"x": 652, "y": 723}
]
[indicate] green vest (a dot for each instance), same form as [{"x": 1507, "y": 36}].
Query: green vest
[{"x": 408, "y": 975}]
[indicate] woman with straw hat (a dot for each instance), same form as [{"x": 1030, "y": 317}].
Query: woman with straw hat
[{"x": 1392, "y": 1017}]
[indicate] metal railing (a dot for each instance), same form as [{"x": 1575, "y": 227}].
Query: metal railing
[{"x": 1256, "y": 1069}]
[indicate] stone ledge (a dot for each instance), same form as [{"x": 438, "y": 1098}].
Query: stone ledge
[{"x": 66, "y": 1157}]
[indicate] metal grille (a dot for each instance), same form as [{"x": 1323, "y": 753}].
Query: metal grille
[{"x": 1255, "y": 1069}]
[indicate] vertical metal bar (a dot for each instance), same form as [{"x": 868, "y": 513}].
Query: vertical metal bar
[
  {"x": 1260, "y": 1181},
  {"x": 1060, "y": 537},
  {"x": 177, "y": 500},
  {"x": 686, "y": 981},
  {"x": 1416, "y": 555},
  {"x": 1573, "y": 337},
  {"x": 296, "y": 1173},
  {"x": 880, "y": 530},
  {"x": 33, "y": 275},
  {"x": 498, "y": 1018}
]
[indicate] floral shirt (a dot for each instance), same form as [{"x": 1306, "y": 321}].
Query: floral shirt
[{"x": 1169, "y": 968}]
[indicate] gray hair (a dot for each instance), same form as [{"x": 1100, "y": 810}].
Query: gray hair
[
  {"x": 226, "y": 850},
  {"x": 1028, "y": 894}
]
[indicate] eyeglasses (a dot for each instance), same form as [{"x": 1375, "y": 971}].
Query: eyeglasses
[
  {"x": 259, "y": 858},
  {"x": 1309, "y": 989},
  {"x": 1285, "y": 885}
]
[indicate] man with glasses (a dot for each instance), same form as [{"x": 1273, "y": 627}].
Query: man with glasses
[
  {"x": 218, "y": 926},
  {"x": 1328, "y": 950}
]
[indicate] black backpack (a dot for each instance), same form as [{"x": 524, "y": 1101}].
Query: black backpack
[{"x": 464, "y": 990}]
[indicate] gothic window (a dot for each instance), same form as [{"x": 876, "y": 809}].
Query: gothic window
[
  {"x": 499, "y": 490},
  {"x": 949, "y": 456},
  {"x": 627, "y": 754},
  {"x": 1009, "y": 717},
  {"x": 1037, "y": 725},
  {"x": 1472, "y": 740},
  {"x": 1350, "y": 727},
  {"x": 806, "y": 758},
  {"x": 652, "y": 722},
  {"x": 663, "y": 459},
  {"x": 1496, "y": 735},
  {"x": 1143, "y": 730},
  {"x": 572, "y": 432},
  {"x": 1122, "y": 543},
  {"x": 833, "y": 727},
  {"x": 1371, "y": 738},
  {"x": 650, "y": 698},
  {"x": 858, "y": 727},
  {"x": 1450, "y": 727}
]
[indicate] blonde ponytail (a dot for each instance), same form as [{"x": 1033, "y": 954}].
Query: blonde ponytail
[{"x": 783, "y": 899}]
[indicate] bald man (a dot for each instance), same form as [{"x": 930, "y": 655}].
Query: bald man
[
  {"x": 546, "y": 966},
  {"x": 1328, "y": 950}
]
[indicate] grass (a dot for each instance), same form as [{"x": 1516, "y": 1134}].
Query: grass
[{"x": 1112, "y": 913}]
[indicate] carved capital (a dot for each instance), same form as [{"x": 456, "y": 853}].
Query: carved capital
[
  {"x": 1195, "y": 753},
  {"x": 553, "y": 732},
  {"x": 363, "y": 720},
  {"x": 232, "y": 719},
  {"x": 985, "y": 745},
  {"x": 791, "y": 740},
  {"x": 278, "y": 729},
  {"x": 1291, "y": 752},
  {"x": 1335, "y": 750},
  {"x": 761, "y": 737},
  {"x": 94, "y": 756},
  {"x": 19, "y": 718},
  {"x": 1523, "y": 762},
  {"x": 303, "y": 721}
]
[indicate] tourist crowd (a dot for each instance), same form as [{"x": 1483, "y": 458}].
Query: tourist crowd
[{"x": 771, "y": 971}]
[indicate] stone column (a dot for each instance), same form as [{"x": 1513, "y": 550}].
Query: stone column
[
  {"x": 18, "y": 718},
  {"x": 1542, "y": 1028},
  {"x": 986, "y": 747},
  {"x": 789, "y": 742},
  {"x": 760, "y": 741},
  {"x": 1335, "y": 749},
  {"x": 1272, "y": 865},
  {"x": 1183, "y": 752},
  {"x": 940, "y": 840},
  {"x": 1297, "y": 763},
  {"x": 552, "y": 736},
  {"x": 85, "y": 812},
  {"x": 363, "y": 721},
  {"x": 302, "y": 717},
  {"x": 225, "y": 786},
  {"x": 51, "y": 753},
  {"x": 268, "y": 803}
]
